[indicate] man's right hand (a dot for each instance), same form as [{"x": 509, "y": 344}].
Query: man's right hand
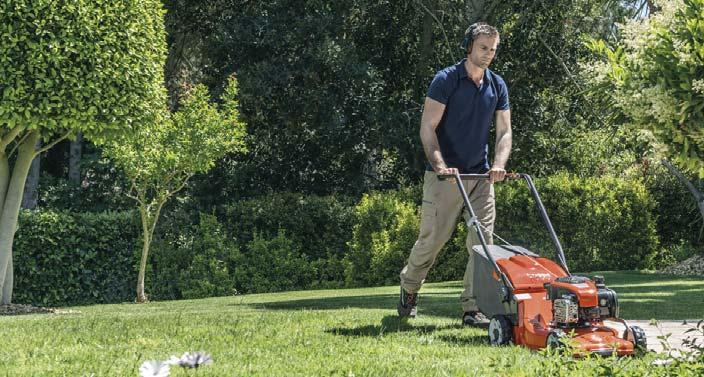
[{"x": 447, "y": 171}]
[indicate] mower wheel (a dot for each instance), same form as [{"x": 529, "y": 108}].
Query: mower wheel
[
  {"x": 500, "y": 330},
  {"x": 640, "y": 341},
  {"x": 555, "y": 339}
]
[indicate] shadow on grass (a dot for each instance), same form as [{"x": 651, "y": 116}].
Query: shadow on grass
[
  {"x": 447, "y": 305},
  {"x": 393, "y": 324},
  {"x": 637, "y": 300}
]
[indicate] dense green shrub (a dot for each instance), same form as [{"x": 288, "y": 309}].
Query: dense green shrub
[
  {"x": 386, "y": 226},
  {"x": 207, "y": 273},
  {"x": 64, "y": 258},
  {"x": 289, "y": 241},
  {"x": 603, "y": 223},
  {"x": 191, "y": 259},
  {"x": 269, "y": 243},
  {"x": 271, "y": 265},
  {"x": 319, "y": 225}
]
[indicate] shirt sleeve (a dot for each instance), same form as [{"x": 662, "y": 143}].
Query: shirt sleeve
[
  {"x": 440, "y": 88},
  {"x": 502, "y": 103}
]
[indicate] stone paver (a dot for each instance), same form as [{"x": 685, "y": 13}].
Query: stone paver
[{"x": 675, "y": 328}]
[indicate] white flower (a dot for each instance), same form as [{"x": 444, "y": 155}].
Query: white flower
[
  {"x": 662, "y": 362},
  {"x": 154, "y": 368},
  {"x": 191, "y": 360},
  {"x": 698, "y": 86}
]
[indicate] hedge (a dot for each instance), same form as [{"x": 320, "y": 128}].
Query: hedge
[
  {"x": 63, "y": 258},
  {"x": 603, "y": 223},
  {"x": 287, "y": 241},
  {"x": 318, "y": 227}
]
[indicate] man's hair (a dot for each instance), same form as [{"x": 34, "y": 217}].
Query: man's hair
[{"x": 474, "y": 31}]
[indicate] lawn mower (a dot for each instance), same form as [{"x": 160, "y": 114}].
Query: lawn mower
[{"x": 536, "y": 302}]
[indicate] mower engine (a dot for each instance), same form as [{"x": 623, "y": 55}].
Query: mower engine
[{"x": 580, "y": 302}]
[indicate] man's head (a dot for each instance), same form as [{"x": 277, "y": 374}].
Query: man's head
[{"x": 480, "y": 43}]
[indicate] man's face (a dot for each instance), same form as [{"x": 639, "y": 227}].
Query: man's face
[{"x": 483, "y": 50}]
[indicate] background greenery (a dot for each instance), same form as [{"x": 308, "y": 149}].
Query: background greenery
[
  {"x": 286, "y": 241},
  {"x": 328, "y": 195}
]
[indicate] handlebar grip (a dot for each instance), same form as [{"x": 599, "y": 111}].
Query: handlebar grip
[{"x": 477, "y": 177}]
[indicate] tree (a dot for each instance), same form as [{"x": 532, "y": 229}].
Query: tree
[
  {"x": 655, "y": 74},
  {"x": 161, "y": 157},
  {"x": 341, "y": 111},
  {"x": 91, "y": 66}
]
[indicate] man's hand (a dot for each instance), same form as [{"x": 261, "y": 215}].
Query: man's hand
[
  {"x": 445, "y": 170},
  {"x": 442, "y": 170},
  {"x": 496, "y": 175}
]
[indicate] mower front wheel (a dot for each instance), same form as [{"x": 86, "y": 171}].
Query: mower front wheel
[
  {"x": 556, "y": 339},
  {"x": 640, "y": 341},
  {"x": 500, "y": 330}
]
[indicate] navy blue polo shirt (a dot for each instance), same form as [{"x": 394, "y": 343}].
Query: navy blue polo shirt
[{"x": 463, "y": 132}]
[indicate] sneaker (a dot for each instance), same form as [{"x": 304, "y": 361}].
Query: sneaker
[
  {"x": 474, "y": 318},
  {"x": 407, "y": 304}
]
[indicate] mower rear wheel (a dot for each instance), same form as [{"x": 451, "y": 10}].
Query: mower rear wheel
[
  {"x": 640, "y": 341},
  {"x": 500, "y": 330}
]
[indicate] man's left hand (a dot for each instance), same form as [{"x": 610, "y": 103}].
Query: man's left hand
[{"x": 496, "y": 175}]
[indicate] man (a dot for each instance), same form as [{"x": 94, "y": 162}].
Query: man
[{"x": 454, "y": 130}]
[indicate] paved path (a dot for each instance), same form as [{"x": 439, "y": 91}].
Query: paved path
[{"x": 676, "y": 328}]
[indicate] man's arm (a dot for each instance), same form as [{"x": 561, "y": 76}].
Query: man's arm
[
  {"x": 503, "y": 145},
  {"x": 432, "y": 115}
]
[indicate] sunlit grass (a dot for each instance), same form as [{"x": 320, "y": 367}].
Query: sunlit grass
[{"x": 307, "y": 333}]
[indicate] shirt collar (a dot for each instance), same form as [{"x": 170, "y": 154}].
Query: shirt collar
[{"x": 463, "y": 71}]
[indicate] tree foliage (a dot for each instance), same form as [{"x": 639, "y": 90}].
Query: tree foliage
[
  {"x": 333, "y": 91},
  {"x": 89, "y": 66},
  {"x": 655, "y": 74},
  {"x": 65, "y": 67},
  {"x": 159, "y": 158}
]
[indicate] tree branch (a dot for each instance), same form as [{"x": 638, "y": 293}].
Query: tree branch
[
  {"x": 183, "y": 184},
  {"x": 50, "y": 145},
  {"x": 572, "y": 79},
  {"x": 8, "y": 137},
  {"x": 693, "y": 190},
  {"x": 431, "y": 14},
  {"x": 698, "y": 196},
  {"x": 19, "y": 142},
  {"x": 129, "y": 194}
]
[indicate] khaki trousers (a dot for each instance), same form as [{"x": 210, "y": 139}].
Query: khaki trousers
[{"x": 442, "y": 204}]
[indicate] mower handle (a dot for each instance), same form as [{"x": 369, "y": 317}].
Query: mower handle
[
  {"x": 538, "y": 203},
  {"x": 476, "y": 177}
]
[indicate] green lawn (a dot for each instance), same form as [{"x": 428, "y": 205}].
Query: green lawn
[{"x": 309, "y": 333}]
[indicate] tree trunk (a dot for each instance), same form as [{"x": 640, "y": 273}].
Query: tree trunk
[
  {"x": 477, "y": 10},
  {"x": 10, "y": 212},
  {"x": 426, "y": 48},
  {"x": 141, "y": 295},
  {"x": 149, "y": 221},
  {"x": 4, "y": 177},
  {"x": 74, "y": 160},
  {"x": 146, "y": 242},
  {"x": 698, "y": 195},
  {"x": 30, "y": 196}
]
